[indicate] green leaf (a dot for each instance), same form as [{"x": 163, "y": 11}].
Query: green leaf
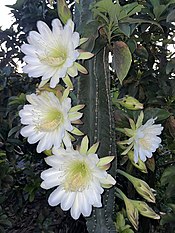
[
  {"x": 142, "y": 52},
  {"x": 169, "y": 172},
  {"x": 170, "y": 67},
  {"x": 160, "y": 114},
  {"x": 19, "y": 4},
  {"x": 128, "y": 231},
  {"x": 140, "y": 21},
  {"x": 171, "y": 16},
  {"x": 155, "y": 2},
  {"x": 121, "y": 60},
  {"x": 158, "y": 10},
  {"x": 168, "y": 218},
  {"x": 14, "y": 130},
  {"x": 132, "y": 8}
]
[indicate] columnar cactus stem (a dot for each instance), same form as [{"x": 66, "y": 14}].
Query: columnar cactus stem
[{"x": 94, "y": 92}]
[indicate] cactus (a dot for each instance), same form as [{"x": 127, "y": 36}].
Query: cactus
[{"x": 94, "y": 91}]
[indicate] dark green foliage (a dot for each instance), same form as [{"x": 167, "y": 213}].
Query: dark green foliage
[{"x": 150, "y": 79}]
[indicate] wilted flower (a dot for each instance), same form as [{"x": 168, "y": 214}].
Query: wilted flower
[
  {"x": 52, "y": 54},
  {"x": 143, "y": 138},
  {"x": 79, "y": 175},
  {"x": 48, "y": 119}
]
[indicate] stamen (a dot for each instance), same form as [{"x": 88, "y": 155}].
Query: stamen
[
  {"x": 50, "y": 121},
  {"x": 78, "y": 177},
  {"x": 56, "y": 58}
]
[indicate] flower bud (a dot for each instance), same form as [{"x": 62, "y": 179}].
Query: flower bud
[
  {"x": 145, "y": 210},
  {"x": 141, "y": 186},
  {"x": 132, "y": 212},
  {"x": 63, "y": 11},
  {"x": 130, "y": 103}
]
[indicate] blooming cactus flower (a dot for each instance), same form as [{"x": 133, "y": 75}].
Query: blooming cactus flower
[
  {"x": 48, "y": 120},
  {"x": 143, "y": 138},
  {"x": 52, "y": 54},
  {"x": 80, "y": 176}
]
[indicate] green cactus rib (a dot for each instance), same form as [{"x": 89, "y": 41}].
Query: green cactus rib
[{"x": 94, "y": 92}]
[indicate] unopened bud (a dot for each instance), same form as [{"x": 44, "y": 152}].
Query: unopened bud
[
  {"x": 145, "y": 210},
  {"x": 130, "y": 103},
  {"x": 132, "y": 212},
  {"x": 141, "y": 186},
  {"x": 63, "y": 11}
]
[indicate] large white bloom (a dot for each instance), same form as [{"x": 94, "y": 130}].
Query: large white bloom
[
  {"x": 143, "y": 138},
  {"x": 80, "y": 176},
  {"x": 52, "y": 54},
  {"x": 48, "y": 119}
]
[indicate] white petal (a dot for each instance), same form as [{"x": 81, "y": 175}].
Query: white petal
[
  {"x": 67, "y": 200},
  {"x": 66, "y": 103},
  {"x": 35, "y": 137},
  {"x": 86, "y": 208},
  {"x": 50, "y": 172},
  {"x": 34, "y": 71},
  {"x": 67, "y": 140},
  {"x": 27, "y": 130},
  {"x": 26, "y": 120},
  {"x": 44, "y": 144},
  {"x": 54, "y": 161},
  {"x": 56, "y": 196},
  {"x": 54, "y": 80},
  {"x": 28, "y": 49},
  {"x": 136, "y": 153},
  {"x": 56, "y": 27},
  {"x": 36, "y": 40},
  {"x": 142, "y": 155},
  {"x": 95, "y": 196},
  {"x": 44, "y": 30},
  {"x": 76, "y": 39},
  {"x": 53, "y": 180},
  {"x": 75, "y": 210},
  {"x": 24, "y": 114},
  {"x": 31, "y": 60},
  {"x": 58, "y": 138},
  {"x": 70, "y": 24}
]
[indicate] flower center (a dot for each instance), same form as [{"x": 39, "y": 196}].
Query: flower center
[
  {"x": 78, "y": 176},
  {"x": 145, "y": 143},
  {"x": 51, "y": 121},
  {"x": 55, "y": 58}
]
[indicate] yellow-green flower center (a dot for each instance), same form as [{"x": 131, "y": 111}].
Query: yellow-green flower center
[
  {"x": 145, "y": 143},
  {"x": 51, "y": 121},
  {"x": 55, "y": 58},
  {"x": 78, "y": 175}
]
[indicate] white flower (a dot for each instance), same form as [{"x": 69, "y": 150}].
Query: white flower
[
  {"x": 143, "y": 138},
  {"x": 48, "y": 119},
  {"x": 52, "y": 54},
  {"x": 80, "y": 176}
]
